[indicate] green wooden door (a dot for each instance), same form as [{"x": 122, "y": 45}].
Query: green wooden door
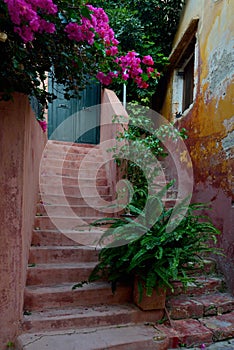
[{"x": 77, "y": 119}]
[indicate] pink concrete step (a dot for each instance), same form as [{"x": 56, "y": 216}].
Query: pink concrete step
[
  {"x": 49, "y": 274},
  {"x": 62, "y": 254},
  {"x": 53, "y": 200},
  {"x": 73, "y": 181},
  {"x": 57, "y": 238},
  {"x": 193, "y": 333},
  {"x": 127, "y": 337},
  {"x": 182, "y": 307},
  {"x": 66, "y": 163},
  {"x": 80, "y": 210},
  {"x": 87, "y": 171},
  {"x": 80, "y": 317},
  {"x": 72, "y": 223},
  {"x": 70, "y": 145},
  {"x": 55, "y": 296},
  {"x": 73, "y": 191},
  {"x": 184, "y": 333},
  {"x": 73, "y": 144},
  {"x": 70, "y": 157}
]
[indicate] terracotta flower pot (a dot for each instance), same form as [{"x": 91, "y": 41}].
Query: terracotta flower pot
[{"x": 155, "y": 302}]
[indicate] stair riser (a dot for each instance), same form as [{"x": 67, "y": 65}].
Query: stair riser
[
  {"x": 80, "y": 211},
  {"x": 76, "y": 147},
  {"x": 45, "y": 256},
  {"x": 91, "y": 161},
  {"x": 67, "y": 181},
  {"x": 75, "y": 173},
  {"x": 40, "y": 276},
  {"x": 70, "y": 157},
  {"x": 77, "y": 322},
  {"x": 43, "y": 238},
  {"x": 60, "y": 144},
  {"x": 36, "y": 301},
  {"x": 53, "y": 200},
  {"x": 73, "y": 191}
]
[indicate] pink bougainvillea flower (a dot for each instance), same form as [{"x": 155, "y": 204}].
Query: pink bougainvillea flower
[
  {"x": 43, "y": 125},
  {"x": 26, "y": 16},
  {"x": 148, "y": 60},
  {"x": 125, "y": 76},
  {"x": 149, "y": 70},
  {"x": 112, "y": 51}
]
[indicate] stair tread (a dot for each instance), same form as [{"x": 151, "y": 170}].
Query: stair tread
[
  {"x": 93, "y": 229},
  {"x": 82, "y": 178},
  {"x": 52, "y": 247},
  {"x": 129, "y": 337},
  {"x": 60, "y": 266},
  {"x": 70, "y": 217},
  {"x": 67, "y": 287},
  {"x": 82, "y": 311}
]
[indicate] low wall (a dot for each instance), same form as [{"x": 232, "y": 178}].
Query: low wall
[
  {"x": 21, "y": 145},
  {"x": 111, "y": 107}
]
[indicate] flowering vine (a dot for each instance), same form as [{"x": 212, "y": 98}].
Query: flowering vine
[{"x": 72, "y": 43}]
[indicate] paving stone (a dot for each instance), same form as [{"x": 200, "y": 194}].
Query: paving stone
[
  {"x": 222, "y": 326},
  {"x": 224, "y": 345}
]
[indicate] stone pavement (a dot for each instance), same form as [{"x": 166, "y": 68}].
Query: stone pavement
[{"x": 224, "y": 345}]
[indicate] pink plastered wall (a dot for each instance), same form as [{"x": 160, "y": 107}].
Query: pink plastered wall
[
  {"x": 111, "y": 107},
  {"x": 21, "y": 145}
]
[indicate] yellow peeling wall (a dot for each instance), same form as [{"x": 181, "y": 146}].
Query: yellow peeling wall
[{"x": 210, "y": 120}]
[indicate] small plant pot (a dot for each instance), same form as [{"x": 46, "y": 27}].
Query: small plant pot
[{"x": 154, "y": 302}]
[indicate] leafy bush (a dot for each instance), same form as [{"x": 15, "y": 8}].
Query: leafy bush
[
  {"x": 145, "y": 247},
  {"x": 139, "y": 146},
  {"x": 70, "y": 40}
]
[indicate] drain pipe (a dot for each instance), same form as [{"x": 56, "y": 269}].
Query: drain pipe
[{"x": 124, "y": 95}]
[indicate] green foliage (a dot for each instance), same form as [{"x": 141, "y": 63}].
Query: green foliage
[
  {"x": 142, "y": 146},
  {"x": 24, "y": 66},
  {"x": 144, "y": 248},
  {"x": 148, "y": 27}
]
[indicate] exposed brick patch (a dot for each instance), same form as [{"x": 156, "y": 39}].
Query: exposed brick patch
[
  {"x": 184, "y": 307},
  {"x": 186, "y": 332}
]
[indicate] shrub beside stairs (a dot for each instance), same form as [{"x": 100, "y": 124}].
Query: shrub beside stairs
[{"x": 56, "y": 316}]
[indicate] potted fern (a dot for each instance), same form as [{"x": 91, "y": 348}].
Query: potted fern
[{"x": 150, "y": 255}]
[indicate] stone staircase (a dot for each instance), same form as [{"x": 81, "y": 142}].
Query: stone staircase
[{"x": 73, "y": 192}]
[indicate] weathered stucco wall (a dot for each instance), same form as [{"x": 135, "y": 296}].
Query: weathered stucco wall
[
  {"x": 21, "y": 146},
  {"x": 210, "y": 120}
]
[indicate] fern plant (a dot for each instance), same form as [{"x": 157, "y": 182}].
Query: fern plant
[{"x": 144, "y": 247}]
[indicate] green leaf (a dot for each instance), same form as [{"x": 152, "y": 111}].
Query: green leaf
[{"x": 85, "y": 12}]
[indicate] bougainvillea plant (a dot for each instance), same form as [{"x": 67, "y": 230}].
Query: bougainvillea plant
[{"x": 69, "y": 39}]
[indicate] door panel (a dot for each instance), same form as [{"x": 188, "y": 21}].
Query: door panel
[{"x": 72, "y": 120}]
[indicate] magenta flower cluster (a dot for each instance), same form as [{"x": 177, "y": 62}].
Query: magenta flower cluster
[
  {"x": 130, "y": 66},
  {"x": 98, "y": 24},
  {"x": 27, "y": 21},
  {"x": 43, "y": 125},
  {"x": 27, "y": 16}
]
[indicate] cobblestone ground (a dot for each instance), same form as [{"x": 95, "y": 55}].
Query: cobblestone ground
[{"x": 224, "y": 345}]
